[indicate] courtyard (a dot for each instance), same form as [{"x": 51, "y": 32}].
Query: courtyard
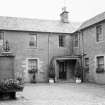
[{"x": 59, "y": 94}]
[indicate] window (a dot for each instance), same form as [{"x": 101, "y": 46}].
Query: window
[
  {"x": 100, "y": 62},
  {"x": 76, "y": 40},
  {"x": 32, "y": 64},
  {"x": 33, "y": 40},
  {"x": 99, "y": 36},
  {"x": 86, "y": 62},
  {"x": 1, "y": 38},
  {"x": 61, "y": 40}
]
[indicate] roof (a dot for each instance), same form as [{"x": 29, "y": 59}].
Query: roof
[
  {"x": 66, "y": 57},
  {"x": 98, "y": 18},
  {"x": 25, "y": 24}
]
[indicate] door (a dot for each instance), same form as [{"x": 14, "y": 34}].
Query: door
[
  {"x": 6, "y": 67},
  {"x": 62, "y": 70}
]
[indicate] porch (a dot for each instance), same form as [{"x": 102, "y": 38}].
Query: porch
[{"x": 65, "y": 68}]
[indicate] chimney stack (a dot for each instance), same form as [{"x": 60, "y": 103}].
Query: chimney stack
[{"x": 64, "y": 15}]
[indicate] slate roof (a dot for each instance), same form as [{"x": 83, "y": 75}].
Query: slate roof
[
  {"x": 98, "y": 18},
  {"x": 25, "y": 24}
]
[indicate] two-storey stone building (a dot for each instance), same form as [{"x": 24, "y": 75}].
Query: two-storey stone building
[
  {"x": 36, "y": 42},
  {"x": 90, "y": 43}
]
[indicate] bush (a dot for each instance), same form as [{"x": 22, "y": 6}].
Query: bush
[
  {"x": 10, "y": 85},
  {"x": 78, "y": 70}
]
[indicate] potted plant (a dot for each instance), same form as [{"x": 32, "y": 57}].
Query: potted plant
[
  {"x": 32, "y": 71},
  {"x": 51, "y": 73},
  {"x": 99, "y": 70},
  {"x": 78, "y": 73}
]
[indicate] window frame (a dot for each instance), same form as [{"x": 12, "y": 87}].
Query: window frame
[
  {"x": 98, "y": 63},
  {"x": 100, "y": 70},
  {"x": 98, "y": 40},
  {"x": 61, "y": 41},
  {"x": 32, "y": 65},
  {"x": 76, "y": 40},
  {"x": 27, "y": 68},
  {"x": 33, "y": 40},
  {"x": 1, "y": 38}
]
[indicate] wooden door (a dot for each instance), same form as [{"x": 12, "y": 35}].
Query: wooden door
[
  {"x": 6, "y": 67},
  {"x": 62, "y": 70}
]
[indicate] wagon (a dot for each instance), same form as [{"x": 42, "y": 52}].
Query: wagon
[{"x": 9, "y": 85}]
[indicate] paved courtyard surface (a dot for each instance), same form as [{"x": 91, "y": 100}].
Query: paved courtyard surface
[{"x": 59, "y": 94}]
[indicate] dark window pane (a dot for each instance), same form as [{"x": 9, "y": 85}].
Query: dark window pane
[
  {"x": 33, "y": 40},
  {"x": 61, "y": 40},
  {"x": 99, "y": 36},
  {"x": 76, "y": 40},
  {"x": 100, "y": 62}
]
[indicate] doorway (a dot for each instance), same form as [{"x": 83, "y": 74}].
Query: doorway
[{"x": 62, "y": 70}]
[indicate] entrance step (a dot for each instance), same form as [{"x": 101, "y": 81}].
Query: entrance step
[{"x": 66, "y": 81}]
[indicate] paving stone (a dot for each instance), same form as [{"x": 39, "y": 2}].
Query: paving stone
[{"x": 59, "y": 94}]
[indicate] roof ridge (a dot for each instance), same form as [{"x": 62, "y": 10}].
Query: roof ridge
[
  {"x": 97, "y": 18},
  {"x": 28, "y": 18}
]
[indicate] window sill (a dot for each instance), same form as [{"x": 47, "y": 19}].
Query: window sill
[{"x": 76, "y": 47}]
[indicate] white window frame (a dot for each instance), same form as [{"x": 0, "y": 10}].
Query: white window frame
[
  {"x": 63, "y": 41},
  {"x": 76, "y": 34},
  {"x": 100, "y": 41},
  {"x": 96, "y": 60},
  {"x": 27, "y": 59},
  {"x": 34, "y": 36},
  {"x": 2, "y": 40}
]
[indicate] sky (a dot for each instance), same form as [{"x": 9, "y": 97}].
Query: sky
[{"x": 79, "y": 10}]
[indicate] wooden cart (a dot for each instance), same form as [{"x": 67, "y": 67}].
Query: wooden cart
[{"x": 7, "y": 73}]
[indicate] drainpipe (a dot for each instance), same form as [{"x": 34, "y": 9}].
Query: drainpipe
[
  {"x": 48, "y": 49},
  {"x": 82, "y": 55}
]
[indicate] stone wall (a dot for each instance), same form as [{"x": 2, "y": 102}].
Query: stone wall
[
  {"x": 92, "y": 49},
  {"x": 47, "y": 47}
]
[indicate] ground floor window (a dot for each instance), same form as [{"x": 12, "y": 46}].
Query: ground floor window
[
  {"x": 100, "y": 64},
  {"x": 32, "y": 65}
]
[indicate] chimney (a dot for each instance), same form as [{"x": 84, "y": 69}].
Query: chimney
[{"x": 64, "y": 15}]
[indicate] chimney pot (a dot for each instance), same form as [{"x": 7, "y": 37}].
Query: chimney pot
[{"x": 64, "y": 15}]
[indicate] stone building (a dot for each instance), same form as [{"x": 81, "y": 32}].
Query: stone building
[
  {"x": 90, "y": 43},
  {"x": 36, "y": 42}
]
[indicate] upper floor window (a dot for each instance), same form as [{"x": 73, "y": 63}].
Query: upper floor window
[
  {"x": 1, "y": 38},
  {"x": 61, "y": 40},
  {"x": 76, "y": 40},
  {"x": 33, "y": 40},
  {"x": 99, "y": 35}
]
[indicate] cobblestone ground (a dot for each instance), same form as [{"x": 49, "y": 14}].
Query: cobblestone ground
[{"x": 59, "y": 94}]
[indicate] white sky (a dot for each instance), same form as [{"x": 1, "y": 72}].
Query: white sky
[{"x": 80, "y": 10}]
